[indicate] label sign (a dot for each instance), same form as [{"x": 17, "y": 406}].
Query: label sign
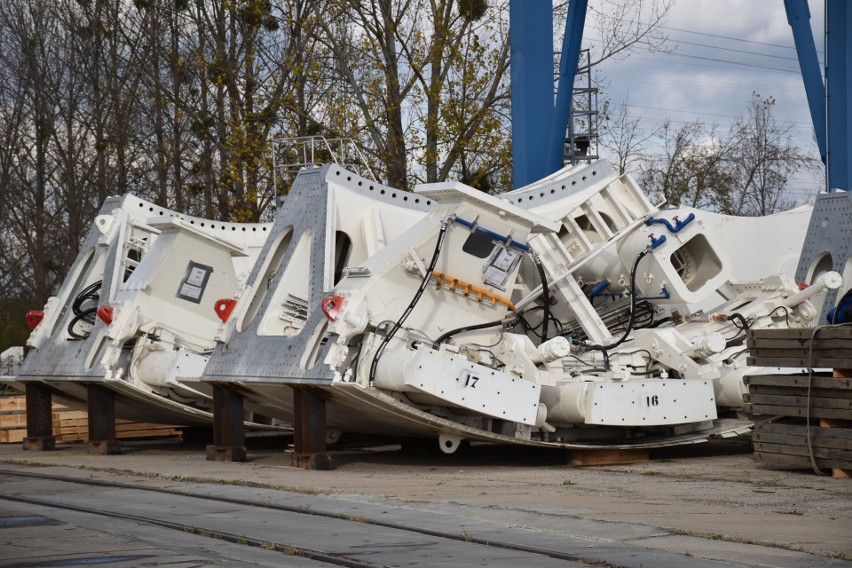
[
  {"x": 651, "y": 402},
  {"x": 469, "y": 379},
  {"x": 500, "y": 267},
  {"x": 194, "y": 282}
]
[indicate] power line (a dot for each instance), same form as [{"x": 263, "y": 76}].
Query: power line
[
  {"x": 802, "y": 128},
  {"x": 740, "y": 63},
  {"x": 680, "y": 41},
  {"x": 706, "y": 34},
  {"x": 796, "y": 87},
  {"x": 730, "y": 38}
]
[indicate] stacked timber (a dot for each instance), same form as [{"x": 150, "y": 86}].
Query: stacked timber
[
  {"x": 69, "y": 425},
  {"x": 807, "y": 415}
]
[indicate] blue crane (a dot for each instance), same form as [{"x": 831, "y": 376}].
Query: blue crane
[{"x": 539, "y": 122}]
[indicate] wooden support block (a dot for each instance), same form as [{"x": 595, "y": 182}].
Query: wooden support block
[
  {"x": 785, "y": 444},
  {"x": 13, "y": 421},
  {"x": 321, "y": 462},
  {"x": 801, "y": 347},
  {"x": 37, "y": 443},
  {"x": 835, "y": 425},
  {"x": 608, "y": 457},
  {"x": 103, "y": 447},
  {"x": 13, "y": 404},
  {"x": 226, "y": 454},
  {"x": 67, "y": 425},
  {"x": 800, "y": 380}
]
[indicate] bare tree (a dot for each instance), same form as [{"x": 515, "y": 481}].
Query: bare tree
[
  {"x": 624, "y": 136},
  {"x": 691, "y": 168},
  {"x": 763, "y": 158},
  {"x": 741, "y": 173},
  {"x": 621, "y": 27}
]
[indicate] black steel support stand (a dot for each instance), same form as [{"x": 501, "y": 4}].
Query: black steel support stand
[
  {"x": 39, "y": 418},
  {"x": 101, "y": 404},
  {"x": 309, "y": 430},
  {"x": 229, "y": 438}
]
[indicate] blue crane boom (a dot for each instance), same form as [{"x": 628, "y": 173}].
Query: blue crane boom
[{"x": 539, "y": 124}]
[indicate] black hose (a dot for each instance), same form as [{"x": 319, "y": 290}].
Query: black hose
[
  {"x": 464, "y": 329},
  {"x": 414, "y": 300},
  {"x": 87, "y": 316},
  {"x": 90, "y": 292},
  {"x": 735, "y": 317},
  {"x": 545, "y": 292},
  {"x": 630, "y": 321}
]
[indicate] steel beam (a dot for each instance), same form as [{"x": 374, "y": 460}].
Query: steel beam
[
  {"x": 838, "y": 82},
  {"x": 531, "y": 49},
  {"x": 799, "y": 18},
  {"x": 39, "y": 418},
  {"x": 574, "y": 22},
  {"x": 229, "y": 438},
  {"x": 309, "y": 429},
  {"x": 101, "y": 405}
]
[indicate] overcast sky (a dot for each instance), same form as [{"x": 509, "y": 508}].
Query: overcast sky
[{"x": 721, "y": 52}]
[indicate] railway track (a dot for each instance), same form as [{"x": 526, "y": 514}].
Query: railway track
[{"x": 352, "y": 541}]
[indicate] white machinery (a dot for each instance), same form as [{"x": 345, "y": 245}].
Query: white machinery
[
  {"x": 142, "y": 307},
  {"x": 444, "y": 330},
  {"x": 570, "y": 313},
  {"x": 137, "y": 312},
  {"x": 619, "y": 337}
]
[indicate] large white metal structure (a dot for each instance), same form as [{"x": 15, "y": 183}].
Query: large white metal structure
[
  {"x": 137, "y": 311},
  {"x": 635, "y": 338},
  {"x": 570, "y": 313}
]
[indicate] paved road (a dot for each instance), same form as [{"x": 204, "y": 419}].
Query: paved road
[{"x": 589, "y": 515}]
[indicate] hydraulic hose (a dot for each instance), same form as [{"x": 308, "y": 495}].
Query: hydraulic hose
[
  {"x": 545, "y": 292},
  {"x": 426, "y": 277},
  {"x": 464, "y": 329},
  {"x": 90, "y": 292},
  {"x": 632, "y": 318}
]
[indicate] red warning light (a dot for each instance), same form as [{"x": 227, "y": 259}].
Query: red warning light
[
  {"x": 331, "y": 307},
  {"x": 105, "y": 313},
  {"x": 33, "y": 318}
]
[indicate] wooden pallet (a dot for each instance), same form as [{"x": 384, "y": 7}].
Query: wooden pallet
[
  {"x": 70, "y": 425},
  {"x": 831, "y": 347},
  {"x": 786, "y": 444},
  {"x": 824, "y": 399},
  {"x": 787, "y": 395}
]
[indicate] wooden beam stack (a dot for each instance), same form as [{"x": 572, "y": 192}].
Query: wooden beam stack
[
  {"x": 69, "y": 425},
  {"x": 808, "y": 414}
]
